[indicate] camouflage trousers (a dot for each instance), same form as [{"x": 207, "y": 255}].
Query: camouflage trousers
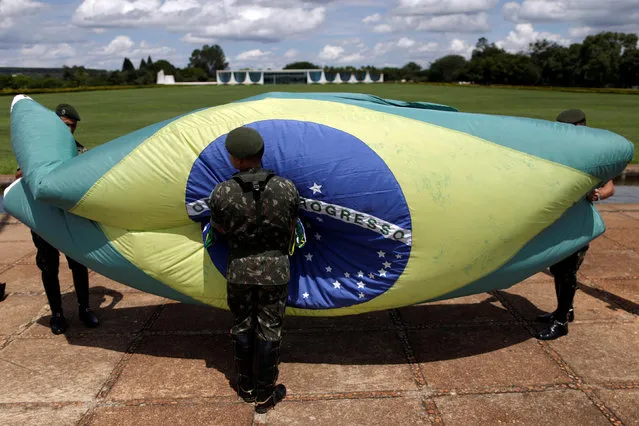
[
  {"x": 257, "y": 309},
  {"x": 565, "y": 274}
]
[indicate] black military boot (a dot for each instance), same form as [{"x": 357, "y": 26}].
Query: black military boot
[
  {"x": 57, "y": 323},
  {"x": 551, "y": 316},
  {"x": 555, "y": 331},
  {"x": 267, "y": 393},
  {"x": 87, "y": 316},
  {"x": 561, "y": 280},
  {"x": 243, "y": 351}
]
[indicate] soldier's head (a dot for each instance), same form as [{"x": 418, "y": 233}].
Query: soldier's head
[
  {"x": 245, "y": 147},
  {"x": 68, "y": 115},
  {"x": 572, "y": 116}
]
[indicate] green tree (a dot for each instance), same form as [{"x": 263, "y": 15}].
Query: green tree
[
  {"x": 600, "y": 57},
  {"x": 447, "y": 69},
  {"x": 209, "y": 58},
  {"x": 302, "y": 66},
  {"x": 629, "y": 68},
  {"x": 142, "y": 64},
  {"x": 163, "y": 65},
  {"x": 127, "y": 65}
]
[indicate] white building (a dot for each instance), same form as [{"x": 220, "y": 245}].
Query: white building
[{"x": 316, "y": 76}]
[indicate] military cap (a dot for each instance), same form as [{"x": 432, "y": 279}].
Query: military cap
[
  {"x": 244, "y": 142},
  {"x": 572, "y": 116},
  {"x": 66, "y": 110}
]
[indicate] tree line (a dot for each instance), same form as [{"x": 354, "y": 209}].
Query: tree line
[{"x": 607, "y": 59}]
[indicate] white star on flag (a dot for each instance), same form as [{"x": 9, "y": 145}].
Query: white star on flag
[
  {"x": 360, "y": 284},
  {"x": 381, "y": 253},
  {"x": 360, "y": 274},
  {"x": 361, "y": 295},
  {"x": 347, "y": 275},
  {"x": 319, "y": 219},
  {"x": 386, "y": 265},
  {"x": 305, "y": 295},
  {"x": 382, "y": 272},
  {"x": 336, "y": 284},
  {"x": 371, "y": 275},
  {"x": 308, "y": 256},
  {"x": 318, "y": 236},
  {"x": 316, "y": 188},
  {"x": 329, "y": 269},
  {"x": 398, "y": 256}
]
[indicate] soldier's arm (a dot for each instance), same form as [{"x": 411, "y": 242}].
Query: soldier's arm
[
  {"x": 214, "y": 206},
  {"x": 295, "y": 206},
  {"x": 606, "y": 191}
]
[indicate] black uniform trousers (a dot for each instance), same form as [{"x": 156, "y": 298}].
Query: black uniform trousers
[
  {"x": 565, "y": 274},
  {"x": 48, "y": 260},
  {"x": 258, "y": 311}
]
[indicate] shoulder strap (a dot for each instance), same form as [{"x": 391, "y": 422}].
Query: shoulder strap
[{"x": 255, "y": 183}]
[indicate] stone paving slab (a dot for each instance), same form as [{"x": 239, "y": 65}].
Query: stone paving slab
[
  {"x": 624, "y": 403},
  {"x": 602, "y": 353},
  {"x": 153, "y": 415},
  {"x": 27, "y": 279},
  {"x": 563, "y": 407},
  {"x": 42, "y": 415},
  {"x": 117, "y": 314},
  {"x": 623, "y": 220},
  {"x": 344, "y": 362},
  {"x": 612, "y": 264},
  {"x": 14, "y": 232},
  {"x": 532, "y": 299},
  {"x": 464, "y": 310},
  {"x": 177, "y": 367},
  {"x": 626, "y": 239},
  {"x": 483, "y": 357},
  {"x": 11, "y": 252},
  {"x": 18, "y": 311},
  {"x": 381, "y": 411},
  {"x": 52, "y": 369},
  {"x": 470, "y": 360}
]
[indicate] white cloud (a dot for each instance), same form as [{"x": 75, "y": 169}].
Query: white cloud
[
  {"x": 443, "y": 7},
  {"x": 10, "y": 8},
  {"x": 524, "y": 34},
  {"x": 230, "y": 19},
  {"x": 466, "y": 23},
  {"x": 190, "y": 38},
  {"x": 291, "y": 53},
  {"x": 383, "y": 28},
  {"x": 594, "y": 13},
  {"x": 12, "y": 11},
  {"x": 251, "y": 55},
  {"x": 60, "y": 51},
  {"x": 581, "y": 32},
  {"x": 118, "y": 44},
  {"x": 352, "y": 58},
  {"x": 372, "y": 19},
  {"x": 406, "y": 42},
  {"x": 461, "y": 47},
  {"x": 330, "y": 53}
]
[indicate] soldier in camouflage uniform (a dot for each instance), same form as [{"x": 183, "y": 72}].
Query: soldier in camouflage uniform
[
  {"x": 565, "y": 271},
  {"x": 48, "y": 257},
  {"x": 256, "y": 211}
]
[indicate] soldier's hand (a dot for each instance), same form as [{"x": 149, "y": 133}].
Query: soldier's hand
[
  {"x": 594, "y": 195},
  {"x": 18, "y": 174}
]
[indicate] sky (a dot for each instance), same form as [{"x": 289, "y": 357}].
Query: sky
[{"x": 264, "y": 34}]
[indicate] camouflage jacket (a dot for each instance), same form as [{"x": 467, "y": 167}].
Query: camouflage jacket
[{"x": 258, "y": 250}]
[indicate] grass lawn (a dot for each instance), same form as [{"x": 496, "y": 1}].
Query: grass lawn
[{"x": 107, "y": 115}]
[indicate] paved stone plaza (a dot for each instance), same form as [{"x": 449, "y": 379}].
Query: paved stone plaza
[{"x": 467, "y": 361}]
